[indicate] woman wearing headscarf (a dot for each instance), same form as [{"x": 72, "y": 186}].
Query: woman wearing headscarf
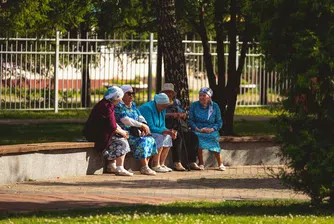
[
  {"x": 129, "y": 118},
  {"x": 186, "y": 139},
  {"x": 107, "y": 135},
  {"x": 205, "y": 120},
  {"x": 154, "y": 113}
]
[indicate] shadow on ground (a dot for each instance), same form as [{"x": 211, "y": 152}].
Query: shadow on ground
[{"x": 216, "y": 183}]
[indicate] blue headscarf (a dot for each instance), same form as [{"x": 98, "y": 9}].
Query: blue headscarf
[
  {"x": 207, "y": 91},
  {"x": 114, "y": 93},
  {"x": 161, "y": 98}
]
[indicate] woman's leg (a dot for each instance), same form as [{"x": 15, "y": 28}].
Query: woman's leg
[
  {"x": 144, "y": 162},
  {"x": 200, "y": 156},
  {"x": 156, "y": 158},
  {"x": 218, "y": 158},
  {"x": 120, "y": 161},
  {"x": 164, "y": 155}
]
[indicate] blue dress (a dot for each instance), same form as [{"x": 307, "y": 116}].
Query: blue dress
[
  {"x": 141, "y": 147},
  {"x": 208, "y": 117}
]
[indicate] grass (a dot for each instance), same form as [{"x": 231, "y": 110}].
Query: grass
[
  {"x": 254, "y": 128},
  {"x": 273, "y": 211},
  {"x": 36, "y": 133},
  {"x": 21, "y": 114}
]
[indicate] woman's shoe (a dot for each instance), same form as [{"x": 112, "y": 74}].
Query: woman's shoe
[
  {"x": 123, "y": 172},
  {"x": 167, "y": 168},
  {"x": 222, "y": 167},
  {"x": 179, "y": 167},
  {"x": 194, "y": 166},
  {"x": 112, "y": 169},
  {"x": 147, "y": 171},
  {"x": 159, "y": 169},
  {"x": 201, "y": 167}
]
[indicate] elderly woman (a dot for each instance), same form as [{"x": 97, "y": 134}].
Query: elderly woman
[
  {"x": 107, "y": 135},
  {"x": 154, "y": 112},
  {"x": 186, "y": 139},
  {"x": 129, "y": 118},
  {"x": 205, "y": 119}
]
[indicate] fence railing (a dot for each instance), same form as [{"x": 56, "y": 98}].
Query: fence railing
[{"x": 54, "y": 73}]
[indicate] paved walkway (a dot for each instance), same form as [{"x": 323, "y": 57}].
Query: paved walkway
[{"x": 236, "y": 183}]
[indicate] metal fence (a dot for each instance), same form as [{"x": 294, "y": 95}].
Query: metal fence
[{"x": 51, "y": 73}]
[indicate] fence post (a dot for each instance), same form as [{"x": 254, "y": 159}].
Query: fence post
[
  {"x": 150, "y": 68},
  {"x": 237, "y": 54},
  {"x": 56, "y": 71}
]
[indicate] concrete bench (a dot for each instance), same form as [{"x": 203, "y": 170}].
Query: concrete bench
[{"x": 26, "y": 162}]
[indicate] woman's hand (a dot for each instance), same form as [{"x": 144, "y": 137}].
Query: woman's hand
[
  {"x": 198, "y": 130},
  {"x": 179, "y": 116},
  {"x": 145, "y": 130},
  {"x": 208, "y": 130},
  {"x": 125, "y": 134},
  {"x": 172, "y": 133},
  {"x": 205, "y": 130},
  {"x": 120, "y": 131}
]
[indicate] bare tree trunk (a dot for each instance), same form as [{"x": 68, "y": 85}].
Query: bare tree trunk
[
  {"x": 158, "y": 80},
  {"x": 172, "y": 49},
  {"x": 231, "y": 88},
  {"x": 220, "y": 92},
  {"x": 85, "y": 79},
  {"x": 206, "y": 51}
]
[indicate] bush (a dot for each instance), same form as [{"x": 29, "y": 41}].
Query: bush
[
  {"x": 305, "y": 59},
  {"x": 308, "y": 145}
]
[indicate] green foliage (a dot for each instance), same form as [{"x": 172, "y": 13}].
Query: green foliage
[
  {"x": 298, "y": 38},
  {"x": 42, "y": 16}
]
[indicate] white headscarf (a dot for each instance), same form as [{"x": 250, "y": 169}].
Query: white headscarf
[{"x": 114, "y": 93}]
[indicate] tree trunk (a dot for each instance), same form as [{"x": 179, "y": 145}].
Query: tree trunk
[
  {"x": 85, "y": 79},
  {"x": 158, "y": 80},
  {"x": 206, "y": 52},
  {"x": 220, "y": 91},
  {"x": 172, "y": 50},
  {"x": 231, "y": 88}
]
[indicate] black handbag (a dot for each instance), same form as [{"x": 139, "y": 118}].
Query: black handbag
[{"x": 134, "y": 131}]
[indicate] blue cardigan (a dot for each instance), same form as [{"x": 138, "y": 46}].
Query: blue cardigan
[{"x": 155, "y": 120}]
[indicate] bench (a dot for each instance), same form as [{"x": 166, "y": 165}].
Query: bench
[{"x": 26, "y": 162}]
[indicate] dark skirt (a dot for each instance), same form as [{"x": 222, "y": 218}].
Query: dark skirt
[{"x": 117, "y": 148}]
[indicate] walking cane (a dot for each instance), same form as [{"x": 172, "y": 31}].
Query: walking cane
[{"x": 184, "y": 144}]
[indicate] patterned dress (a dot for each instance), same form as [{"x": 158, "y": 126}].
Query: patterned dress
[
  {"x": 208, "y": 117},
  {"x": 141, "y": 147}
]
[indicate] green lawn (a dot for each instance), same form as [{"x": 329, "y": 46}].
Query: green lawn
[
  {"x": 230, "y": 212},
  {"x": 21, "y": 114},
  {"x": 19, "y": 134},
  {"x": 35, "y": 133}
]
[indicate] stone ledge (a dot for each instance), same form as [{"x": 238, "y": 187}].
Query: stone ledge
[
  {"x": 49, "y": 146},
  {"x": 266, "y": 138}
]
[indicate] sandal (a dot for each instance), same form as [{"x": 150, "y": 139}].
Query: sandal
[{"x": 178, "y": 166}]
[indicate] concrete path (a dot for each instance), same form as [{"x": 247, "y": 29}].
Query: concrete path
[{"x": 236, "y": 183}]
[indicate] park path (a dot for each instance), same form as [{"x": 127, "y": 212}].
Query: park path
[{"x": 236, "y": 183}]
